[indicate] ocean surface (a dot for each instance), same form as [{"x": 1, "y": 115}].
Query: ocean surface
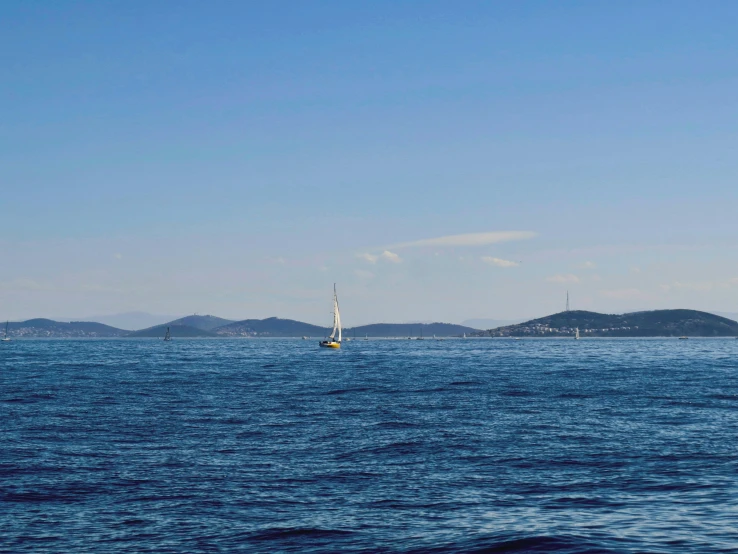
[{"x": 384, "y": 446}]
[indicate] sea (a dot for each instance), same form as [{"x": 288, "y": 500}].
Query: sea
[{"x": 268, "y": 445}]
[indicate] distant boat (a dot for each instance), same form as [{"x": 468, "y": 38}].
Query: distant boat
[
  {"x": 576, "y": 336},
  {"x": 304, "y": 338},
  {"x": 167, "y": 336},
  {"x": 683, "y": 338},
  {"x": 331, "y": 342},
  {"x": 421, "y": 334},
  {"x": 366, "y": 337},
  {"x": 463, "y": 336},
  {"x": 5, "y": 338}
]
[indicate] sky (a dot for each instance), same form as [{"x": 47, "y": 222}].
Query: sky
[{"x": 438, "y": 160}]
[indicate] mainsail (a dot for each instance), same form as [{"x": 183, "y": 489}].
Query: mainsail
[{"x": 336, "y": 317}]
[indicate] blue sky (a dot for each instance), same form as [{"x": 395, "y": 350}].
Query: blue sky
[{"x": 237, "y": 158}]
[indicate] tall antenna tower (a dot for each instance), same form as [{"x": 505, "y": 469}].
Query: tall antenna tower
[{"x": 567, "y": 301}]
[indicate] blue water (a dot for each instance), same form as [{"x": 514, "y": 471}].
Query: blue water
[{"x": 389, "y": 446}]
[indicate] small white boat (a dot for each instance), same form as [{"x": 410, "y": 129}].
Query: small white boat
[
  {"x": 167, "y": 336},
  {"x": 576, "y": 335},
  {"x": 5, "y": 338},
  {"x": 331, "y": 341}
]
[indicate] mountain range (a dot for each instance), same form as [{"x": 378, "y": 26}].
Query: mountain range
[
  {"x": 591, "y": 324},
  {"x": 203, "y": 326}
]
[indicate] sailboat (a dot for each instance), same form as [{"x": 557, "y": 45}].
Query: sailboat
[
  {"x": 576, "y": 336},
  {"x": 5, "y": 338},
  {"x": 167, "y": 336},
  {"x": 331, "y": 341}
]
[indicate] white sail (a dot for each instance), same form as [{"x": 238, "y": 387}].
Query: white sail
[{"x": 336, "y": 317}]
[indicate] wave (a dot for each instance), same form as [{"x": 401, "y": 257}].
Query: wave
[
  {"x": 278, "y": 533},
  {"x": 541, "y": 543},
  {"x": 347, "y": 391}
]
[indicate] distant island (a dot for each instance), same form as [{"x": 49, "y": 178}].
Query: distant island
[
  {"x": 204, "y": 326},
  {"x": 656, "y": 323}
]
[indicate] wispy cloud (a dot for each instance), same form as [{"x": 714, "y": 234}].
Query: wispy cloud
[
  {"x": 371, "y": 258},
  {"x": 363, "y": 274},
  {"x": 621, "y": 293},
  {"x": 587, "y": 265},
  {"x": 701, "y": 286},
  {"x": 386, "y": 256},
  {"x": 563, "y": 279},
  {"x": 391, "y": 257},
  {"x": 470, "y": 239},
  {"x": 499, "y": 262},
  {"x": 26, "y": 284}
]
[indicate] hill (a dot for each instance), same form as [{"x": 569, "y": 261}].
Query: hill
[
  {"x": 203, "y": 322},
  {"x": 48, "y": 328},
  {"x": 490, "y": 323},
  {"x": 657, "y": 323},
  {"x": 176, "y": 331},
  {"x": 129, "y": 321},
  {"x": 271, "y": 327},
  {"x": 410, "y": 330}
]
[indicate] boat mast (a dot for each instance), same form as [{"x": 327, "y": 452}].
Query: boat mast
[{"x": 337, "y": 313}]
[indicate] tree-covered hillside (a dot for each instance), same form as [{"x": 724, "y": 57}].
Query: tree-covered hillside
[{"x": 657, "y": 323}]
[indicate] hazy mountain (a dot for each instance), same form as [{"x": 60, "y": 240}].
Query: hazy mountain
[
  {"x": 204, "y": 322},
  {"x": 409, "y": 330},
  {"x": 657, "y": 323},
  {"x": 176, "y": 331},
  {"x": 127, "y": 320},
  {"x": 490, "y": 323},
  {"x": 48, "y": 328},
  {"x": 271, "y": 327}
]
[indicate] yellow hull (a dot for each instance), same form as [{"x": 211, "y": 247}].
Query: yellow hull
[{"x": 330, "y": 344}]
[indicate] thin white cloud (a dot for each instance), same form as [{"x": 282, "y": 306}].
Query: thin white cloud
[
  {"x": 26, "y": 284},
  {"x": 702, "y": 286},
  {"x": 621, "y": 294},
  {"x": 118, "y": 256},
  {"x": 499, "y": 262},
  {"x": 363, "y": 274},
  {"x": 386, "y": 256},
  {"x": 469, "y": 239},
  {"x": 587, "y": 265},
  {"x": 391, "y": 257},
  {"x": 371, "y": 258},
  {"x": 563, "y": 279}
]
